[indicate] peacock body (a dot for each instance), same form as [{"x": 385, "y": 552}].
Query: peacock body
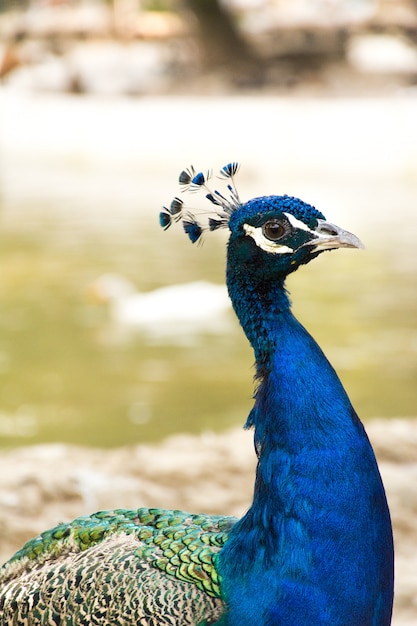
[{"x": 315, "y": 547}]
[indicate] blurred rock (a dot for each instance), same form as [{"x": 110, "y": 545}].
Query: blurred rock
[
  {"x": 382, "y": 53},
  {"x": 93, "y": 47},
  {"x": 98, "y": 67}
]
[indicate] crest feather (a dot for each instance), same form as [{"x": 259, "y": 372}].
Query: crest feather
[{"x": 225, "y": 203}]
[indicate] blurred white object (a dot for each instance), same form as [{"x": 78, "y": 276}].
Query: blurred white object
[
  {"x": 382, "y": 54},
  {"x": 175, "y": 314}
]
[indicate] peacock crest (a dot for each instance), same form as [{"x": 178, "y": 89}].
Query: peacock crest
[{"x": 225, "y": 203}]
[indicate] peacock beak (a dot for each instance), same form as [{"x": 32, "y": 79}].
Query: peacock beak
[{"x": 329, "y": 236}]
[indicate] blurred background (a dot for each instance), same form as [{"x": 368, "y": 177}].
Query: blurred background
[
  {"x": 102, "y": 104},
  {"x": 114, "y": 333}
]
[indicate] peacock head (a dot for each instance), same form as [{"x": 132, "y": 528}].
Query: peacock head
[{"x": 270, "y": 236}]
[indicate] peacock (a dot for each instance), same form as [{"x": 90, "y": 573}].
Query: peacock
[{"x": 315, "y": 546}]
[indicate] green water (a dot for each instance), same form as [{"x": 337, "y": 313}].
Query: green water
[
  {"x": 81, "y": 183},
  {"x": 67, "y": 375}
]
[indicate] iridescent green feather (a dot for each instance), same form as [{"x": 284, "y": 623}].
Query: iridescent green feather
[{"x": 122, "y": 566}]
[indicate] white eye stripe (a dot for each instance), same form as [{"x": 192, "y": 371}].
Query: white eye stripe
[
  {"x": 262, "y": 242},
  {"x": 297, "y": 223}
]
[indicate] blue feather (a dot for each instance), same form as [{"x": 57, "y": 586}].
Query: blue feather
[
  {"x": 193, "y": 230},
  {"x": 176, "y": 206},
  {"x": 229, "y": 170},
  {"x": 165, "y": 218},
  {"x": 186, "y": 176},
  {"x": 199, "y": 180}
]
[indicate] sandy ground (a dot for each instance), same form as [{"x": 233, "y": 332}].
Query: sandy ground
[{"x": 46, "y": 484}]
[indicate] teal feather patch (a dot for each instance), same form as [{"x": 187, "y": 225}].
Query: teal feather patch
[{"x": 147, "y": 566}]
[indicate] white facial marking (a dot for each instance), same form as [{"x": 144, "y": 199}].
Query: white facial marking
[
  {"x": 297, "y": 223},
  {"x": 264, "y": 243}
]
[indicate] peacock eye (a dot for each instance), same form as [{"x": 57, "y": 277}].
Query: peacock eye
[{"x": 273, "y": 230}]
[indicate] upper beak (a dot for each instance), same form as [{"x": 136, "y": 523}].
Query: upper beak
[{"x": 329, "y": 236}]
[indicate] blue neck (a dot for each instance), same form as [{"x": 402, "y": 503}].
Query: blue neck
[{"x": 316, "y": 546}]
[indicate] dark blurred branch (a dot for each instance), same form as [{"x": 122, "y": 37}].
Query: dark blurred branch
[{"x": 222, "y": 46}]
